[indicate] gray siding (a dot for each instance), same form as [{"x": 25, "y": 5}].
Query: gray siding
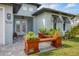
[
  {"x": 42, "y": 20},
  {"x": 26, "y": 10},
  {"x": 38, "y": 22},
  {"x": 8, "y": 25},
  {"x": 8, "y": 30}
]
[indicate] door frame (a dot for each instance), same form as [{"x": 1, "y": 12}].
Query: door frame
[{"x": 20, "y": 24}]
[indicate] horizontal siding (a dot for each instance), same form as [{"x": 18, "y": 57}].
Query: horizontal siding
[{"x": 26, "y": 11}]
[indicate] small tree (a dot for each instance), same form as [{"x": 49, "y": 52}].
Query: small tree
[{"x": 73, "y": 32}]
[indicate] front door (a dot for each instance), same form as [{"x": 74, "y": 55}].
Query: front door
[{"x": 21, "y": 27}]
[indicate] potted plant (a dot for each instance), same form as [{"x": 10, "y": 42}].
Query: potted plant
[
  {"x": 51, "y": 32},
  {"x": 31, "y": 42},
  {"x": 42, "y": 31},
  {"x": 56, "y": 33}
]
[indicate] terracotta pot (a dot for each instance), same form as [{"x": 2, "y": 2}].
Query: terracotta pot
[{"x": 31, "y": 44}]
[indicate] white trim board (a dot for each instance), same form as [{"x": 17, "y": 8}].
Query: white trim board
[{"x": 3, "y": 24}]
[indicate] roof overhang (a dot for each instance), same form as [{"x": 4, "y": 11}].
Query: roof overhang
[
  {"x": 42, "y": 10},
  {"x": 37, "y": 4},
  {"x": 8, "y": 3},
  {"x": 16, "y": 6}
]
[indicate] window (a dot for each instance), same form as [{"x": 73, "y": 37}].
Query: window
[
  {"x": 54, "y": 25},
  {"x": 30, "y": 9},
  {"x": 65, "y": 19},
  {"x": 55, "y": 20},
  {"x": 64, "y": 26},
  {"x": 17, "y": 26},
  {"x": 24, "y": 8},
  {"x": 23, "y": 26}
]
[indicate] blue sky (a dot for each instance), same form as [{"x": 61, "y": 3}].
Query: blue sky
[{"x": 72, "y": 8}]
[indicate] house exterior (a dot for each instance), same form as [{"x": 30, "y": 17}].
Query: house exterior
[
  {"x": 52, "y": 19},
  {"x": 21, "y": 18},
  {"x": 15, "y": 18}
]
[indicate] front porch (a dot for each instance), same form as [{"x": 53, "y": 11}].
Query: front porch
[
  {"x": 22, "y": 24},
  {"x": 17, "y": 48}
]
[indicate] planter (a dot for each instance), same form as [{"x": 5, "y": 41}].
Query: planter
[
  {"x": 58, "y": 40},
  {"x": 31, "y": 44}
]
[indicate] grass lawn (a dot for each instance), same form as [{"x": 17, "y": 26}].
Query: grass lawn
[{"x": 69, "y": 48}]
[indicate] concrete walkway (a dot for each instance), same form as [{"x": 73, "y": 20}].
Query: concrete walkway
[{"x": 16, "y": 49}]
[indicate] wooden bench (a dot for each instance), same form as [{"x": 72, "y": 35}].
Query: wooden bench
[{"x": 55, "y": 42}]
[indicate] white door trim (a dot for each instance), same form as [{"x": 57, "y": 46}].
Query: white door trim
[{"x": 3, "y": 24}]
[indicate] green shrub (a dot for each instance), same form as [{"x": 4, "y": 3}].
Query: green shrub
[
  {"x": 52, "y": 31},
  {"x": 73, "y": 32},
  {"x": 45, "y": 31},
  {"x": 30, "y": 35},
  {"x": 42, "y": 29}
]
